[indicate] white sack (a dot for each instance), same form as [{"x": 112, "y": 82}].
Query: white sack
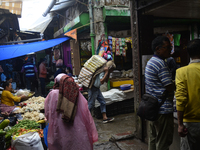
[
  {"x": 115, "y": 95},
  {"x": 28, "y": 141}
]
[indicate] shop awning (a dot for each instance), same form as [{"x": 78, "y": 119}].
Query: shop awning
[{"x": 12, "y": 51}]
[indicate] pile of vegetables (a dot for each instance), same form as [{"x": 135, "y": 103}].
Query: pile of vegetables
[
  {"x": 23, "y": 92},
  {"x": 4, "y": 124},
  {"x": 23, "y": 127},
  {"x": 17, "y": 129},
  {"x": 50, "y": 85},
  {"x": 24, "y": 131}
]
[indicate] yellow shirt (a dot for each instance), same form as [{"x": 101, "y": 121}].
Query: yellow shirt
[
  {"x": 188, "y": 92},
  {"x": 8, "y": 99}
]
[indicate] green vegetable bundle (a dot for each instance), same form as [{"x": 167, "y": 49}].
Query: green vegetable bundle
[{"x": 24, "y": 124}]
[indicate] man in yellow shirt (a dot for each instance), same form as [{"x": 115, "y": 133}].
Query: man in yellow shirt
[
  {"x": 7, "y": 97},
  {"x": 188, "y": 97}
]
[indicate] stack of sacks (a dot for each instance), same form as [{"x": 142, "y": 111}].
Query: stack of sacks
[
  {"x": 94, "y": 63},
  {"x": 85, "y": 77}
]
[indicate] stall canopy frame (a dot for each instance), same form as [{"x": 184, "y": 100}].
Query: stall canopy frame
[{"x": 12, "y": 51}]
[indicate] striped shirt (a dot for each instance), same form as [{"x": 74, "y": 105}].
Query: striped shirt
[
  {"x": 157, "y": 77},
  {"x": 29, "y": 69}
]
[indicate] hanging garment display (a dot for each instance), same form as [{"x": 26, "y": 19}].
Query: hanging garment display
[
  {"x": 117, "y": 51},
  {"x": 124, "y": 52},
  {"x": 113, "y": 45},
  {"x": 110, "y": 42},
  {"x": 56, "y": 54}
]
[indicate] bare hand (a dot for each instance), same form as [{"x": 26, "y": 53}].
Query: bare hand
[
  {"x": 182, "y": 130},
  {"x": 23, "y": 97}
]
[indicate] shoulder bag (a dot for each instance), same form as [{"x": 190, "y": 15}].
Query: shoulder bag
[{"x": 149, "y": 106}]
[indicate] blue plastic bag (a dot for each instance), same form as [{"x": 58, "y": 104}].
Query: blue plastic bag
[{"x": 45, "y": 132}]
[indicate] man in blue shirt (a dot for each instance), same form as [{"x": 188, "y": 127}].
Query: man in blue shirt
[
  {"x": 157, "y": 80},
  {"x": 30, "y": 71}
]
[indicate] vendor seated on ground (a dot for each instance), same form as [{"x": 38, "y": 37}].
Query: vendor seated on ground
[{"x": 8, "y": 99}]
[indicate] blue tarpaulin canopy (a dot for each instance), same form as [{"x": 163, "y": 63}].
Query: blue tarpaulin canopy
[{"x": 12, "y": 51}]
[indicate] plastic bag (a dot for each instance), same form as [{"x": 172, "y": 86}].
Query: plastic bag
[
  {"x": 28, "y": 141},
  {"x": 45, "y": 131}
]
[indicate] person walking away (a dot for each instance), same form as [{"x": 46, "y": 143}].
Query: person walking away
[
  {"x": 188, "y": 98},
  {"x": 157, "y": 80},
  {"x": 80, "y": 132},
  {"x": 94, "y": 92},
  {"x": 30, "y": 71},
  {"x": 42, "y": 76}
]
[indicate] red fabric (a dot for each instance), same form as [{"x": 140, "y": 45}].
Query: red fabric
[{"x": 68, "y": 93}]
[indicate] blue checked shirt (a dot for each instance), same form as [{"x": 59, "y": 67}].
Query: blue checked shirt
[{"x": 157, "y": 77}]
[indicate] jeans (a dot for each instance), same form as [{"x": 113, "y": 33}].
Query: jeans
[
  {"x": 93, "y": 94},
  {"x": 42, "y": 84}
]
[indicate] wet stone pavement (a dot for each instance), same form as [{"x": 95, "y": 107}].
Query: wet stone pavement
[{"x": 122, "y": 125}]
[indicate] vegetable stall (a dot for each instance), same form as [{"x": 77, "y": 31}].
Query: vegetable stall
[{"x": 30, "y": 122}]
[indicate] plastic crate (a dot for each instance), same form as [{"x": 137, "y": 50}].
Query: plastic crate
[
  {"x": 111, "y": 110},
  {"x": 97, "y": 112},
  {"x": 126, "y": 106},
  {"x": 122, "y": 107}
]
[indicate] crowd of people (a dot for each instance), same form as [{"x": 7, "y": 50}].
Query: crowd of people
[
  {"x": 32, "y": 77},
  {"x": 67, "y": 111}
]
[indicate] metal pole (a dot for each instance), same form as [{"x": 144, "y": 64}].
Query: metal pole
[{"x": 92, "y": 35}]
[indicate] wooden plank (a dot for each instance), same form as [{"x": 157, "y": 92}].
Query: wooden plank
[{"x": 75, "y": 57}]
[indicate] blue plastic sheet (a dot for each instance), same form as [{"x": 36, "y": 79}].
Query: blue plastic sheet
[
  {"x": 12, "y": 51},
  {"x": 45, "y": 132}
]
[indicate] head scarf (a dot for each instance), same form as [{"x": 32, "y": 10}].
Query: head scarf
[
  {"x": 67, "y": 100},
  {"x": 57, "y": 80}
]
